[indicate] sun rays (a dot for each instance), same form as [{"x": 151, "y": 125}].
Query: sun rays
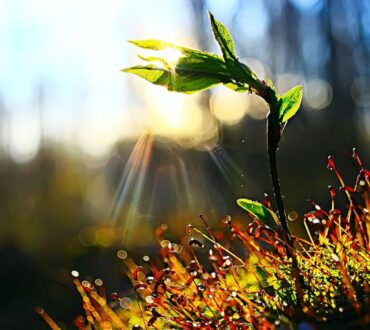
[{"x": 160, "y": 182}]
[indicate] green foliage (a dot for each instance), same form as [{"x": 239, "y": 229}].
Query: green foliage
[
  {"x": 259, "y": 211},
  {"x": 290, "y": 103},
  {"x": 193, "y": 71},
  {"x": 223, "y": 38},
  {"x": 253, "y": 288},
  {"x": 239, "y": 71}
]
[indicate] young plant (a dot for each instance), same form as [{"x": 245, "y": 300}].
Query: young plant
[
  {"x": 196, "y": 70},
  {"x": 277, "y": 280}
]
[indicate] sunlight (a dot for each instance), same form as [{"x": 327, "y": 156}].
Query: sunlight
[
  {"x": 223, "y": 101},
  {"x": 173, "y": 115},
  {"x": 130, "y": 189},
  {"x": 170, "y": 55},
  {"x": 232, "y": 174}
]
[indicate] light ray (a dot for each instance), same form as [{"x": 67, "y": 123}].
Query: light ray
[
  {"x": 228, "y": 168},
  {"x": 132, "y": 183}
]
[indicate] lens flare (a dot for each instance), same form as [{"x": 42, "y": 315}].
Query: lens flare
[{"x": 130, "y": 189}]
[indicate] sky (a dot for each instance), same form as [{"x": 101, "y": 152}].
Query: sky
[{"x": 60, "y": 76}]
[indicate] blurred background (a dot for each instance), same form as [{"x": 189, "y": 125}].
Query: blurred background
[{"x": 93, "y": 160}]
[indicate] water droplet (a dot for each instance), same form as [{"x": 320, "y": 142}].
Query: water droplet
[
  {"x": 122, "y": 254},
  {"x": 164, "y": 243},
  {"x": 293, "y": 216},
  {"x": 98, "y": 282},
  {"x": 195, "y": 242},
  {"x": 125, "y": 303},
  {"x": 316, "y": 221},
  {"x": 226, "y": 219},
  {"x": 189, "y": 229},
  {"x": 135, "y": 274},
  {"x": 75, "y": 273},
  {"x": 39, "y": 310}
]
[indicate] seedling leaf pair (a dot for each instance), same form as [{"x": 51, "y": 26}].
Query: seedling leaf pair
[
  {"x": 191, "y": 72},
  {"x": 196, "y": 70}
]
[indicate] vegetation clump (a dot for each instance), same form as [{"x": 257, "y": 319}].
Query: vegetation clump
[{"x": 254, "y": 276}]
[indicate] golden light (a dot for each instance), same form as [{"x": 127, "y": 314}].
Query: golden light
[
  {"x": 170, "y": 55},
  {"x": 229, "y": 107},
  {"x": 172, "y": 114}
]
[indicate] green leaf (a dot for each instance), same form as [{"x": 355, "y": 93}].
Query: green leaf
[
  {"x": 192, "y": 72},
  {"x": 223, "y": 38},
  {"x": 236, "y": 87},
  {"x": 259, "y": 211},
  {"x": 160, "y": 45},
  {"x": 290, "y": 103},
  {"x": 179, "y": 81},
  {"x": 238, "y": 71},
  {"x": 154, "y": 44}
]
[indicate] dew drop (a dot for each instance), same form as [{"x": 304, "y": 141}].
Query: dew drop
[
  {"x": 39, "y": 310},
  {"x": 189, "y": 229},
  {"x": 122, "y": 254},
  {"x": 75, "y": 273},
  {"x": 226, "y": 219},
  {"x": 164, "y": 243},
  {"x": 98, "y": 282},
  {"x": 125, "y": 303},
  {"x": 292, "y": 216},
  {"x": 316, "y": 221},
  {"x": 195, "y": 242}
]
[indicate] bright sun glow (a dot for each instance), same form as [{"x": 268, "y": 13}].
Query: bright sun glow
[
  {"x": 174, "y": 115},
  {"x": 170, "y": 55},
  {"x": 228, "y": 106}
]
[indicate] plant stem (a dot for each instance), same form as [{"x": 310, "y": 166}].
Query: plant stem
[{"x": 273, "y": 138}]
